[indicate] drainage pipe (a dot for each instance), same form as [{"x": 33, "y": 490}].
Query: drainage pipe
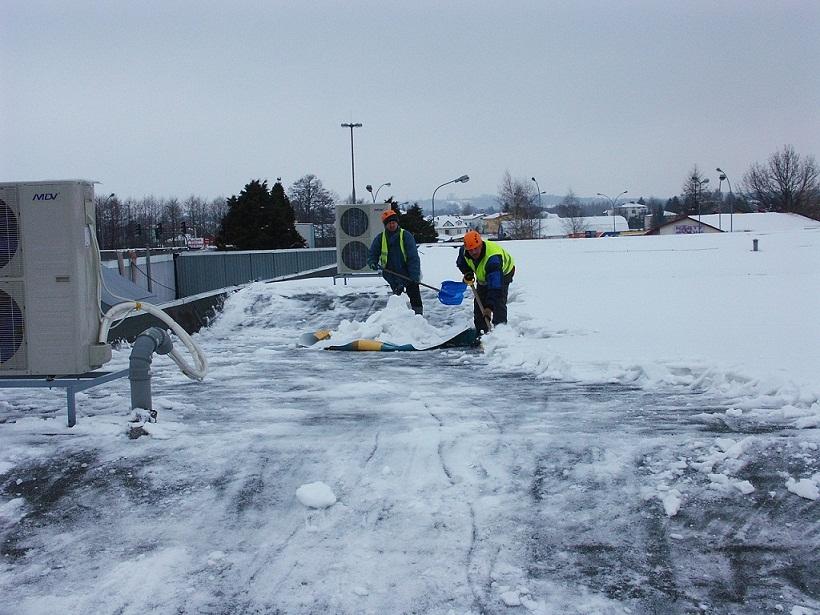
[
  {"x": 196, "y": 371},
  {"x": 139, "y": 371}
]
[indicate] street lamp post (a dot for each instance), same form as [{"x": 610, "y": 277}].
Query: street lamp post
[
  {"x": 731, "y": 198},
  {"x": 700, "y": 194},
  {"x": 352, "y": 164},
  {"x": 462, "y": 179},
  {"x": 369, "y": 188},
  {"x": 612, "y": 203},
  {"x": 540, "y": 209},
  {"x": 720, "y": 204}
]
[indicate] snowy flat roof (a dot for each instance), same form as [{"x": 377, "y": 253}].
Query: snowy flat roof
[{"x": 759, "y": 222}]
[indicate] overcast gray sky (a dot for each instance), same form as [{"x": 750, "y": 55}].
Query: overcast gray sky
[{"x": 174, "y": 97}]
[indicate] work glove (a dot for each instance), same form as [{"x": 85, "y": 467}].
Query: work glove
[{"x": 469, "y": 277}]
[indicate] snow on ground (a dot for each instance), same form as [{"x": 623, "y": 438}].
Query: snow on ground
[{"x": 642, "y": 437}]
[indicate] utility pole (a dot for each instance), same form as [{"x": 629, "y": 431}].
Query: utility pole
[{"x": 352, "y": 163}]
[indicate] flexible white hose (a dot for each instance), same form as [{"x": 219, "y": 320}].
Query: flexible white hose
[{"x": 195, "y": 372}]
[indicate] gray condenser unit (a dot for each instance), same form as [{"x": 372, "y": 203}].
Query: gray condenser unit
[
  {"x": 49, "y": 302},
  {"x": 356, "y": 226}
]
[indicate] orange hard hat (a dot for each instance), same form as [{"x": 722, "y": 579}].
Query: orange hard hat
[
  {"x": 472, "y": 240},
  {"x": 387, "y": 214}
]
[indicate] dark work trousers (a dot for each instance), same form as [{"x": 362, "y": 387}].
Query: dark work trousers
[
  {"x": 414, "y": 294},
  {"x": 499, "y": 309}
]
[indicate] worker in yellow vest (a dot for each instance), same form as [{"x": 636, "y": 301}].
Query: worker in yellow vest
[
  {"x": 394, "y": 251},
  {"x": 492, "y": 268}
]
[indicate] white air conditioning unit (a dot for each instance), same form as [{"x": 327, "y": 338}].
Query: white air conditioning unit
[
  {"x": 356, "y": 226},
  {"x": 49, "y": 306}
]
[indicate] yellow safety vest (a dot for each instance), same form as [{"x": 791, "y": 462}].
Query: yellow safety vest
[
  {"x": 480, "y": 268},
  {"x": 383, "y": 257}
]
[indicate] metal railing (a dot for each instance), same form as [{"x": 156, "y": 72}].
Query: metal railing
[{"x": 199, "y": 272}]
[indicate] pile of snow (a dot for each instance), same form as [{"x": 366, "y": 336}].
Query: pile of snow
[
  {"x": 701, "y": 311},
  {"x": 396, "y": 323},
  {"x": 316, "y": 495}
]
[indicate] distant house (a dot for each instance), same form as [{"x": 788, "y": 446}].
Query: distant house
[
  {"x": 492, "y": 223},
  {"x": 684, "y": 225},
  {"x": 631, "y": 210},
  {"x": 767, "y": 222},
  {"x": 764, "y": 222},
  {"x": 475, "y": 222},
  {"x": 449, "y": 228},
  {"x": 554, "y": 227},
  {"x": 667, "y": 215}
]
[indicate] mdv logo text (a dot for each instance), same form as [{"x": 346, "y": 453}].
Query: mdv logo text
[{"x": 46, "y": 196}]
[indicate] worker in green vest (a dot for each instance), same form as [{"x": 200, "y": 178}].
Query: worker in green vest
[
  {"x": 394, "y": 251},
  {"x": 492, "y": 269}
]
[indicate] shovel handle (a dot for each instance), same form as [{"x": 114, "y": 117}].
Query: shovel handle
[
  {"x": 480, "y": 305},
  {"x": 404, "y": 277}
]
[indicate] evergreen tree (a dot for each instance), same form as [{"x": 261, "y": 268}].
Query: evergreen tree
[
  {"x": 415, "y": 222},
  {"x": 280, "y": 228},
  {"x": 241, "y": 226},
  {"x": 674, "y": 205}
]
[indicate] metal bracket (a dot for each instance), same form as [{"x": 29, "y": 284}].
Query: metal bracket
[
  {"x": 368, "y": 274},
  {"x": 71, "y": 383}
]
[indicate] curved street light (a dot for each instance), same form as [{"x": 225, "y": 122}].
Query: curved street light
[
  {"x": 462, "y": 179},
  {"x": 369, "y": 188},
  {"x": 731, "y": 198},
  {"x": 540, "y": 209},
  {"x": 612, "y": 203}
]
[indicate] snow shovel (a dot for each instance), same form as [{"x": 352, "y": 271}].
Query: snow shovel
[
  {"x": 480, "y": 305},
  {"x": 450, "y": 293}
]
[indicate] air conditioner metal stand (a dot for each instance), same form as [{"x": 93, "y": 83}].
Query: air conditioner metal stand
[{"x": 71, "y": 383}]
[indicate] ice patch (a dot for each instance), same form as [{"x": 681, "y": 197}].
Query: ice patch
[
  {"x": 744, "y": 486},
  {"x": 805, "y": 488},
  {"x": 12, "y": 511}
]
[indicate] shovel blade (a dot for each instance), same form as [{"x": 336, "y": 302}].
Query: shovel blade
[{"x": 452, "y": 293}]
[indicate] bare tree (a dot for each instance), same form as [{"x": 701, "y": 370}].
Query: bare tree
[
  {"x": 313, "y": 203},
  {"x": 786, "y": 183},
  {"x": 172, "y": 215},
  {"x": 695, "y": 198},
  {"x": 195, "y": 213},
  {"x": 111, "y": 221},
  {"x": 516, "y": 197},
  {"x": 216, "y": 211},
  {"x": 572, "y": 214}
]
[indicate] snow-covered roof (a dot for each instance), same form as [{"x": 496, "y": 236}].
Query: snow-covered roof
[
  {"x": 683, "y": 410},
  {"x": 561, "y": 227},
  {"x": 758, "y": 222},
  {"x": 448, "y": 221}
]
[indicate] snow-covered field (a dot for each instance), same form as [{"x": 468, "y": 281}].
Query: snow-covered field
[{"x": 642, "y": 437}]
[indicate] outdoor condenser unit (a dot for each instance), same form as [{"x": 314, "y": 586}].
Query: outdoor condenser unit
[
  {"x": 356, "y": 226},
  {"x": 49, "y": 306}
]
